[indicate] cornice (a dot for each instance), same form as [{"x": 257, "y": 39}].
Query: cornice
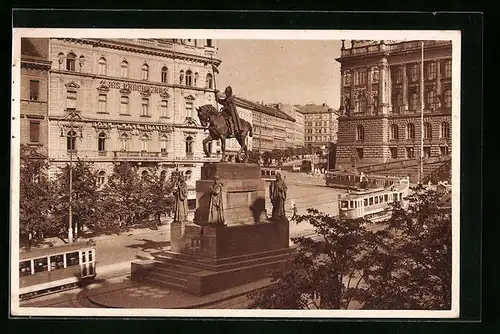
[{"x": 145, "y": 49}]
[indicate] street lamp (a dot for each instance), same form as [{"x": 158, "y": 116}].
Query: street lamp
[{"x": 65, "y": 123}]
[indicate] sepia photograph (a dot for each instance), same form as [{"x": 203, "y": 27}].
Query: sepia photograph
[{"x": 231, "y": 173}]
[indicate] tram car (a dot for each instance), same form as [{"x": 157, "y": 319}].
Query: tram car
[
  {"x": 373, "y": 204},
  {"x": 269, "y": 173},
  {"x": 358, "y": 180},
  {"x": 47, "y": 270}
]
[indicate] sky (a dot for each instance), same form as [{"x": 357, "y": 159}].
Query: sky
[{"x": 286, "y": 71}]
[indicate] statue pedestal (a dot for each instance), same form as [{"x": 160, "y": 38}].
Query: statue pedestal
[
  {"x": 243, "y": 193},
  {"x": 207, "y": 258}
]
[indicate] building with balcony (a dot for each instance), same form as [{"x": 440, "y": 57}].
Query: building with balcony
[
  {"x": 380, "y": 101},
  {"x": 320, "y": 125},
  {"x": 294, "y": 130},
  {"x": 35, "y": 67},
  {"x": 135, "y": 101},
  {"x": 270, "y": 125}
]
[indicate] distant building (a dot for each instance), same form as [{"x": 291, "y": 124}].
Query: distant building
[
  {"x": 269, "y": 125},
  {"x": 380, "y": 101},
  {"x": 320, "y": 125},
  {"x": 35, "y": 67},
  {"x": 295, "y": 134}
]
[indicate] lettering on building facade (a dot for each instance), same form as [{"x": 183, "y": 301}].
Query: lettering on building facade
[
  {"x": 130, "y": 86},
  {"x": 132, "y": 126}
]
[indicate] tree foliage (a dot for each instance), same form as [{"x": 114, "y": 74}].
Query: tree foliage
[
  {"x": 404, "y": 263},
  {"x": 36, "y": 198}
]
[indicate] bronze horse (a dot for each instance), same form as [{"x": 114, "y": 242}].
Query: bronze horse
[{"x": 219, "y": 130}]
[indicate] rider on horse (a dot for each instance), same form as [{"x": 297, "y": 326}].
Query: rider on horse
[{"x": 229, "y": 110}]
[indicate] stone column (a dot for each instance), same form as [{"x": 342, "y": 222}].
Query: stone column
[
  {"x": 369, "y": 99},
  {"x": 383, "y": 87},
  {"x": 405, "y": 88},
  {"x": 352, "y": 93}
]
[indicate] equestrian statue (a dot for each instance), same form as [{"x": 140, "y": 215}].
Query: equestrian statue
[{"x": 225, "y": 124}]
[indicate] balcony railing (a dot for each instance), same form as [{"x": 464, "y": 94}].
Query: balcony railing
[
  {"x": 136, "y": 154},
  {"x": 376, "y": 48}
]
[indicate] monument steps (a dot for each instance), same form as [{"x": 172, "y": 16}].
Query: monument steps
[
  {"x": 163, "y": 283},
  {"x": 165, "y": 277},
  {"x": 173, "y": 271}
]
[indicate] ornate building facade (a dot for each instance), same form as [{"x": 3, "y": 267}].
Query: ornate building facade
[
  {"x": 34, "y": 93},
  {"x": 380, "y": 101},
  {"x": 320, "y": 125},
  {"x": 134, "y": 100}
]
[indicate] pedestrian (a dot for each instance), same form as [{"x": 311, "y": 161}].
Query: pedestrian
[{"x": 294, "y": 210}]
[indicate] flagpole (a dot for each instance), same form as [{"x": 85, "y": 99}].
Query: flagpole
[
  {"x": 215, "y": 84},
  {"x": 421, "y": 172}
]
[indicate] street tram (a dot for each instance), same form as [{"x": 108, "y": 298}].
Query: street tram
[
  {"x": 358, "y": 180},
  {"x": 51, "y": 269},
  {"x": 373, "y": 204},
  {"x": 269, "y": 173}
]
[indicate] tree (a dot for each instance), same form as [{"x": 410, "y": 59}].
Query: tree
[
  {"x": 158, "y": 194},
  {"x": 326, "y": 271},
  {"x": 86, "y": 197},
  {"x": 404, "y": 264},
  {"x": 414, "y": 269},
  {"x": 36, "y": 198},
  {"x": 123, "y": 195}
]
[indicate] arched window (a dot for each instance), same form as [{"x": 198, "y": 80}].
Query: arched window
[
  {"x": 445, "y": 130},
  {"x": 189, "y": 174},
  {"x": 144, "y": 142},
  {"x": 430, "y": 99},
  {"x": 124, "y": 69},
  {"x": 196, "y": 76},
  {"x": 394, "y": 132},
  {"x": 164, "y": 74},
  {"x": 164, "y": 145},
  {"x": 410, "y": 131},
  {"x": 414, "y": 102},
  {"x": 189, "y": 146},
  {"x": 145, "y": 72},
  {"x": 101, "y": 142},
  {"x": 71, "y": 141},
  {"x": 189, "y": 78},
  {"x": 101, "y": 177},
  {"x": 447, "y": 99},
  {"x": 81, "y": 62},
  {"x": 102, "y": 66},
  {"x": 60, "y": 58},
  {"x": 70, "y": 62},
  {"x": 209, "y": 81},
  {"x": 360, "y": 133},
  {"x": 145, "y": 107},
  {"x": 164, "y": 109},
  {"x": 124, "y": 141},
  {"x": 427, "y": 130}
]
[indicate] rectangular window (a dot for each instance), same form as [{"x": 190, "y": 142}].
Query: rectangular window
[
  {"x": 376, "y": 200},
  {"x": 25, "y": 268},
  {"x": 444, "y": 150},
  {"x": 102, "y": 103},
  {"x": 431, "y": 70},
  {"x": 164, "y": 108},
  {"x": 361, "y": 77},
  {"x": 394, "y": 152},
  {"x": 410, "y": 153},
  {"x": 359, "y": 152},
  {"x": 71, "y": 100},
  {"x": 34, "y": 131},
  {"x": 56, "y": 262},
  {"x": 427, "y": 152},
  {"x": 124, "y": 105},
  {"x": 189, "y": 109},
  {"x": 397, "y": 76},
  {"x": 371, "y": 201},
  {"x": 72, "y": 259},
  {"x": 447, "y": 69},
  {"x": 34, "y": 90},
  {"x": 145, "y": 107},
  {"x": 414, "y": 105},
  {"x": 414, "y": 72},
  {"x": 41, "y": 265},
  {"x": 386, "y": 198}
]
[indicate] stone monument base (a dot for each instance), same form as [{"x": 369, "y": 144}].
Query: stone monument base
[{"x": 206, "y": 259}]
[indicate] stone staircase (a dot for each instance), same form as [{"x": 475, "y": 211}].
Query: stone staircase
[{"x": 175, "y": 270}]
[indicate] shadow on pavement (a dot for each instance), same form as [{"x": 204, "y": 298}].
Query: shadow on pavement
[{"x": 150, "y": 245}]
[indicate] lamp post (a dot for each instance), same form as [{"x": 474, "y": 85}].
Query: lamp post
[{"x": 68, "y": 122}]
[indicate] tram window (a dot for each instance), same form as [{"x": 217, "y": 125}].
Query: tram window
[
  {"x": 83, "y": 257},
  {"x": 25, "y": 268},
  {"x": 371, "y": 200},
  {"x": 343, "y": 204},
  {"x": 351, "y": 204},
  {"x": 376, "y": 199},
  {"x": 90, "y": 256},
  {"x": 400, "y": 196},
  {"x": 386, "y": 198},
  {"x": 56, "y": 262},
  {"x": 381, "y": 198},
  {"x": 41, "y": 265},
  {"x": 72, "y": 259},
  {"x": 365, "y": 202}
]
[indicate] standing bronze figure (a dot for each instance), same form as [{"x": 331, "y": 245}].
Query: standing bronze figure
[
  {"x": 216, "y": 208},
  {"x": 229, "y": 110},
  {"x": 180, "y": 195},
  {"x": 277, "y": 194}
]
